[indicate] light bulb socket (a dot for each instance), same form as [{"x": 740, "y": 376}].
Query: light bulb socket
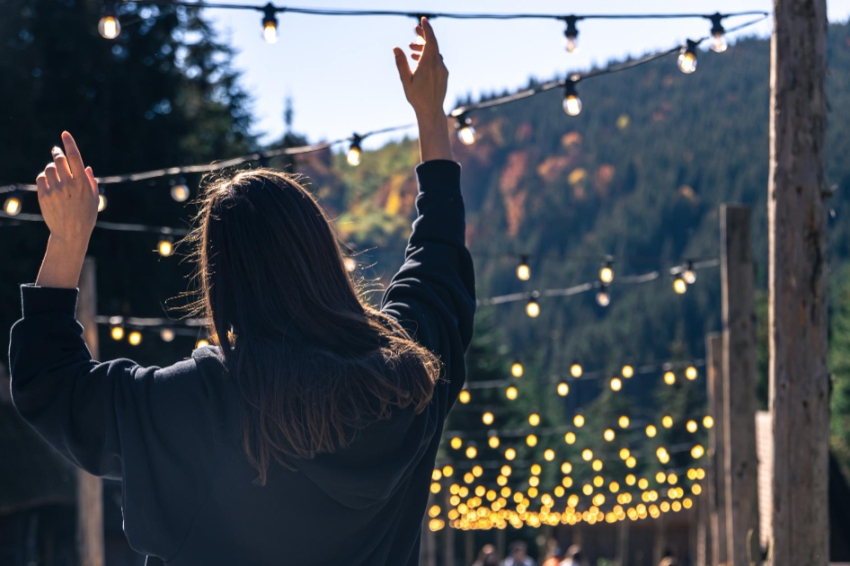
[
  {"x": 570, "y": 87},
  {"x": 355, "y": 141},
  {"x": 270, "y": 15},
  {"x": 462, "y": 121},
  {"x": 690, "y": 47},
  {"x": 717, "y": 24},
  {"x": 109, "y": 9},
  {"x": 572, "y": 30}
]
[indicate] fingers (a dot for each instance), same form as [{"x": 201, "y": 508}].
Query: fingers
[
  {"x": 430, "y": 38},
  {"x": 61, "y": 163},
  {"x": 92, "y": 181},
  {"x": 41, "y": 182},
  {"x": 75, "y": 159},
  {"x": 417, "y": 46},
  {"x": 53, "y": 180},
  {"x": 415, "y": 56},
  {"x": 403, "y": 66}
]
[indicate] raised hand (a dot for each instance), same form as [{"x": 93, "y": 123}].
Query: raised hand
[
  {"x": 425, "y": 89},
  {"x": 67, "y": 194}
]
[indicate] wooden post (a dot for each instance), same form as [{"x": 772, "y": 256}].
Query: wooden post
[
  {"x": 716, "y": 484},
  {"x": 799, "y": 382},
  {"x": 659, "y": 541},
  {"x": 739, "y": 386},
  {"x": 623, "y": 543},
  {"x": 449, "y": 533},
  {"x": 501, "y": 543},
  {"x": 701, "y": 552},
  {"x": 89, "y": 487},
  {"x": 469, "y": 546}
]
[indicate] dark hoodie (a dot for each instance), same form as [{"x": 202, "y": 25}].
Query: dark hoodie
[{"x": 173, "y": 434}]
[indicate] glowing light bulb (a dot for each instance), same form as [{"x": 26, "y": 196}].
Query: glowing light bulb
[
  {"x": 134, "y": 338},
  {"x": 679, "y": 286},
  {"x": 117, "y": 332},
  {"x": 609, "y": 434},
  {"x": 534, "y": 419},
  {"x": 548, "y": 454},
  {"x": 587, "y": 454},
  {"x": 353, "y": 156},
  {"x": 576, "y": 370},
  {"x": 531, "y": 440},
  {"x": 578, "y": 420},
  {"x": 511, "y": 393},
  {"x": 532, "y": 309},
  {"x": 456, "y": 442},
  {"x": 487, "y": 418},
  {"x": 465, "y": 131},
  {"x": 570, "y": 438},
  {"x": 697, "y": 451},
  {"x": 109, "y": 27},
  {"x": 687, "y": 60},
  {"x": 535, "y": 469},
  {"x": 12, "y": 206},
  {"x": 165, "y": 247},
  {"x": 166, "y": 334},
  {"x": 493, "y": 441},
  {"x": 623, "y": 421},
  {"x": 448, "y": 471},
  {"x": 101, "y": 202},
  {"x": 349, "y": 263},
  {"x": 616, "y": 384},
  {"x": 603, "y": 299},
  {"x": 606, "y": 272},
  {"x": 667, "y": 421},
  {"x": 651, "y": 431},
  {"x": 571, "y": 34},
  {"x": 689, "y": 275},
  {"x": 691, "y": 373},
  {"x": 516, "y": 369},
  {"x": 563, "y": 389},
  {"x": 471, "y": 452},
  {"x": 717, "y": 43},
  {"x": 631, "y": 462},
  {"x": 624, "y": 453},
  {"x": 627, "y": 371},
  {"x": 691, "y": 426},
  {"x": 707, "y": 421},
  {"x": 523, "y": 271},
  {"x": 270, "y": 23},
  {"x": 203, "y": 342},
  {"x": 464, "y": 396},
  {"x": 510, "y": 454},
  {"x": 669, "y": 377},
  {"x": 180, "y": 191},
  {"x": 572, "y": 103}
]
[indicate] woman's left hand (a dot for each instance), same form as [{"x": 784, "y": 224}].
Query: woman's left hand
[{"x": 68, "y": 195}]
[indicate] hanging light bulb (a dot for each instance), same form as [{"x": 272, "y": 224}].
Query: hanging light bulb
[
  {"x": 465, "y": 131},
  {"x": 717, "y": 43},
  {"x": 349, "y": 263},
  {"x": 166, "y": 334},
  {"x": 116, "y": 332},
  {"x": 532, "y": 308},
  {"x": 691, "y": 373},
  {"x": 353, "y": 156},
  {"x": 165, "y": 247},
  {"x": 616, "y": 384},
  {"x": 487, "y": 418},
  {"x": 563, "y": 389},
  {"x": 101, "y": 201},
  {"x": 578, "y": 420},
  {"x": 628, "y": 371},
  {"x": 12, "y": 206},
  {"x": 572, "y": 103},
  {"x": 511, "y": 393},
  {"x": 687, "y": 60},
  {"x": 689, "y": 275},
  {"x": 180, "y": 190},
  {"x": 202, "y": 343},
  {"x": 464, "y": 396},
  {"x": 606, "y": 273},
  {"x": 602, "y": 296},
  {"x": 523, "y": 272},
  {"x": 270, "y": 23},
  {"x": 576, "y": 370},
  {"x": 109, "y": 27},
  {"x": 134, "y": 338},
  {"x": 571, "y": 34},
  {"x": 679, "y": 286},
  {"x": 516, "y": 369}
]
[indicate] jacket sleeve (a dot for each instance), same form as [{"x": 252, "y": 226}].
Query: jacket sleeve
[{"x": 433, "y": 294}]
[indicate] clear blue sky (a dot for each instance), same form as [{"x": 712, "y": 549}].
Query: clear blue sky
[{"x": 342, "y": 78}]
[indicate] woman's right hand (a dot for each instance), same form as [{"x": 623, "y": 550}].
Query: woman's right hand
[{"x": 424, "y": 87}]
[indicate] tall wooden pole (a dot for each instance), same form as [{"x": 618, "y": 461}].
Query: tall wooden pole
[
  {"x": 89, "y": 487},
  {"x": 739, "y": 386},
  {"x": 797, "y": 280},
  {"x": 449, "y": 533},
  {"x": 716, "y": 484}
]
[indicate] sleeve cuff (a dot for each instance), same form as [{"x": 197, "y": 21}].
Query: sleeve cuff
[
  {"x": 43, "y": 300},
  {"x": 438, "y": 174}
]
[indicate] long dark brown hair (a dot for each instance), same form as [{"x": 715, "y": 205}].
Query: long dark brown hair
[{"x": 312, "y": 360}]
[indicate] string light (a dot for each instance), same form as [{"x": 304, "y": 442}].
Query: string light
[
  {"x": 669, "y": 377},
  {"x": 101, "y": 201},
  {"x": 651, "y": 431},
  {"x": 532, "y": 308},
  {"x": 471, "y": 452},
  {"x": 578, "y": 420},
  {"x": 516, "y": 369},
  {"x": 353, "y": 156},
  {"x": 464, "y": 396},
  {"x": 180, "y": 190},
  {"x": 531, "y": 440},
  {"x": 587, "y": 454},
  {"x": 623, "y": 421},
  {"x": 667, "y": 421},
  {"x": 166, "y": 334},
  {"x": 12, "y": 206},
  {"x": 165, "y": 247},
  {"x": 691, "y": 373},
  {"x": 109, "y": 27},
  {"x": 523, "y": 271},
  {"x": 487, "y": 418},
  {"x": 717, "y": 43},
  {"x": 570, "y": 438},
  {"x": 707, "y": 421},
  {"x": 116, "y": 332},
  {"x": 563, "y": 389},
  {"x": 687, "y": 60},
  {"x": 609, "y": 434},
  {"x": 603, "y": 299},
  {"x": 572, "y": 103},
  {"x": 493, "y": 440},
  {"x": 134, "y": 338},
  {"x": 456, "y": 442},
  {"x": 202, "y": 343},
  {"x": 270, "y": 23},
  {"x": 576, "y": 370},
  {"x": 688, "y": 274},
  {"x": 679, "y": 286},
  {"x": 510, "y": 454},
  {"x": 627, "y": 371},
  {"x": 511, "y": 393},
  {"x": 616, "y": 384},
  {"x": 691, "y": 426},
  {"x": 571, "y": 34},
  {"x": 606, "y": 272},
  {"x": 465, "y": 131},
  {"x": 697, "y": 451},
  {"x": 534, "y": 419}
]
